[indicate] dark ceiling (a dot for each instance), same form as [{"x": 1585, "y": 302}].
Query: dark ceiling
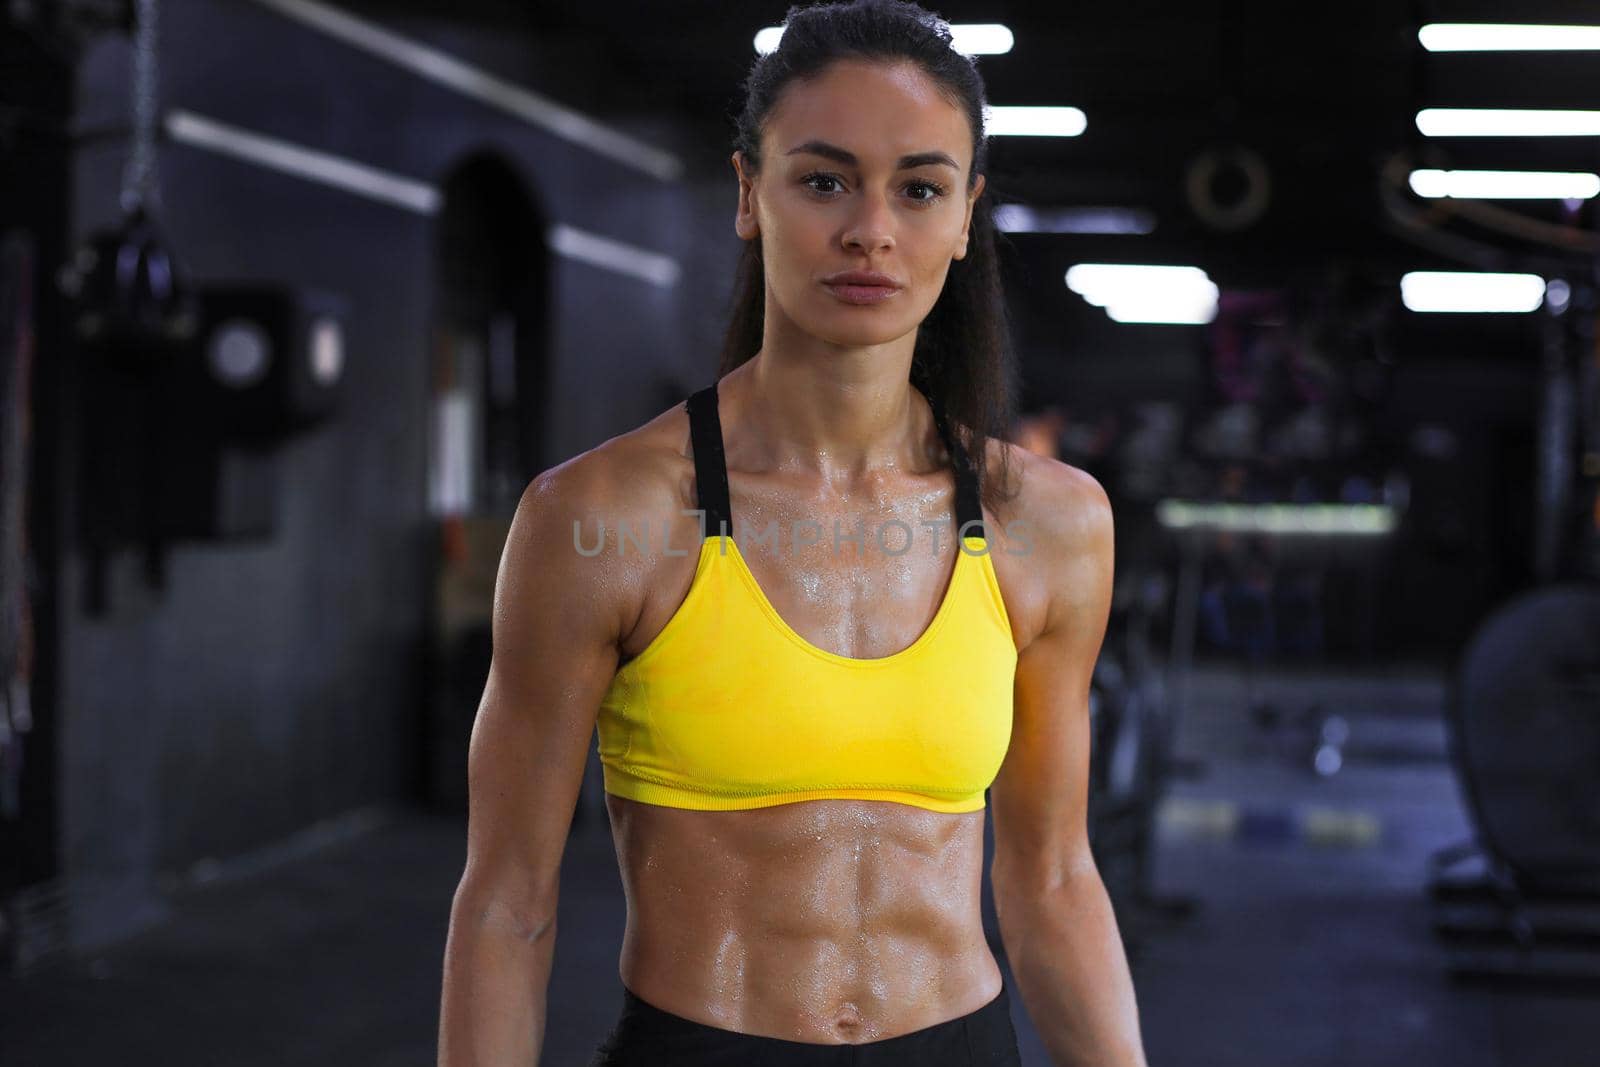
[{"x": 1323, "y": 93}]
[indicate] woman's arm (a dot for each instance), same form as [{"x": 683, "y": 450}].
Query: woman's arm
[
  {"x": 1056, "y": 920},
  {"x": 557, "y": 619}
]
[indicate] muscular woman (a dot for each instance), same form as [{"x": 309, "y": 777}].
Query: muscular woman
[{"x": 821, "y": 614}]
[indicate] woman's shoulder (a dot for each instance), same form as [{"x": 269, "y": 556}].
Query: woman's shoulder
[
  {"x": 1053, "y": 535},
  {"x": 638, "y": 475},
  {"x": 1046, "y": 493},
  {"x": 644, "y": 462}
]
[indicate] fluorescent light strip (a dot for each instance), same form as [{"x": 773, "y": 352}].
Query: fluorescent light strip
[
  {"x": 1506, "y": 184},
  {"x": 288, "y": 158},
  {"x": 1133, "y": 292},
  {"x": 1468, "y": 291},
  {"x": 1507, "y": 37},
  {"x": 614, "y": 255},
  {"x": 450, "y": 72},
  {"x": 1499, "y": 122},
  {"x": 298, "y": 161},
  {"x": 1328, "y": 519},
  {"x": 1020, "y": 218},
  {"x": 968, "y": 38},
  {"x": 1163, "y": 310},
  {"x": 1027, "y": 121},
  {"x": 981, "y": 38}
]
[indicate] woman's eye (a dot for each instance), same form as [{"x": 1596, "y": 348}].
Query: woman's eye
[{"x": 933, "y": 190}]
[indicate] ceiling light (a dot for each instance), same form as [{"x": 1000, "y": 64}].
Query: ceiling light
[
  {"x": 1132, "y": 292},
  {"x": 1471, "y": 291},
  {"x": 1277, "y": 518},
  {"x": 1020, "y": 218},
  {"x": 970, "y": 38},
  {"x": 1507, "y": 37},
  {"x": 1506, "y": 184},
  {"x": 1491, "y": 122},
  {"x": 1033, "y": 122},
  {"x": 981, "y": 38}
]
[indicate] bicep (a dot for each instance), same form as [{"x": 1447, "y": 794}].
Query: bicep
[
  {"x": 556, "y": 625},
  {"x": 1040, "y": 797}
]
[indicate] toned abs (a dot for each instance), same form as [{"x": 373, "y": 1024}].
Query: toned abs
[{"x": 827, "y": 921}]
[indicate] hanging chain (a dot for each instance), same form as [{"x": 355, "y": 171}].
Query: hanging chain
[{"x": 140, "y": 187}]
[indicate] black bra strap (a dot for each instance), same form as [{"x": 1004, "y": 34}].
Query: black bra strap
[
  {"x": 710, "y": 465},
  {"x": 969, "y": 505}
]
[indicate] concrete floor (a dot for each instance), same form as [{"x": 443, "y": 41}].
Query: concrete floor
[{"x": 1310, "y": 944}]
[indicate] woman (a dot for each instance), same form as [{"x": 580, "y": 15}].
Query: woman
[{"x": 797, "y": 738}]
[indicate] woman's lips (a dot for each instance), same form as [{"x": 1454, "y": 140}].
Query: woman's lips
[{"x": 863, "y": 294}]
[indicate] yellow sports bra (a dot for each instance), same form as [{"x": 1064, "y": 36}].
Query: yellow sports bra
[{"x": 729, "y": 707}]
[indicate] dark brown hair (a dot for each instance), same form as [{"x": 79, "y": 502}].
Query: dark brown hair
[{"x": 963, "y": 360}]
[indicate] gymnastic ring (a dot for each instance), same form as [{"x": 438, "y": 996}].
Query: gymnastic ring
[{"x": 1203, "y": 170}]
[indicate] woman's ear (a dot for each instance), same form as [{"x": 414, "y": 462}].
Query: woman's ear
[
  {"x": 966, "y": 226},
  {"x": 744, "y": 220}
]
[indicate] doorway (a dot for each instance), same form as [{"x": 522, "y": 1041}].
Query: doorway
[{"x": 487, "y": 404}]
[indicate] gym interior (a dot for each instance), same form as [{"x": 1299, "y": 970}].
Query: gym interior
[{"x": 297, "y": 296}]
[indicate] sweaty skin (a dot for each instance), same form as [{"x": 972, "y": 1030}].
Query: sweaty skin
[
  {"x": 825, "y": 921},
  {"x": 828, "y": 921}
]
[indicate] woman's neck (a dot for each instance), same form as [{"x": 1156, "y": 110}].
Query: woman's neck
[{"x": 840, "y": 416}]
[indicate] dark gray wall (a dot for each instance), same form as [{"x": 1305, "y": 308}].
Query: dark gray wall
[{"x": 274, "y": 684}]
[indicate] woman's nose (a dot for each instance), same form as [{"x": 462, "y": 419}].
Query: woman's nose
[{"x": 871, "y": 230}]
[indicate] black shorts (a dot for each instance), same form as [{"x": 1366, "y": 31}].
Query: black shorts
[{"x": 646, "y": 1036}]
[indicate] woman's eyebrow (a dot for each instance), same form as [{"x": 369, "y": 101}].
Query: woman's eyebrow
[{"x": 840, "y": 155}]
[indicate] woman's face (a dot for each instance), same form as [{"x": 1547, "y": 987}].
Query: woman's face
[{"x": 837, "y": 193}]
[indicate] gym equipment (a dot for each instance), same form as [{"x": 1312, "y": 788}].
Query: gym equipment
[
  {"x": 1228, "y": 187},
  {"x": 185, "y": 389},
  {"x": 270, "y": 361},
  {"x": 1295, "y": 540},
  {"x": 1131, "y": 740},
  {"x": 1521, "y": 898},
  {"x": 132, "y": 312},
  {"x": 1524, "y": 718},
  {"x": 133, "y": 307},
  {"x": 132, "y": 303}
]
